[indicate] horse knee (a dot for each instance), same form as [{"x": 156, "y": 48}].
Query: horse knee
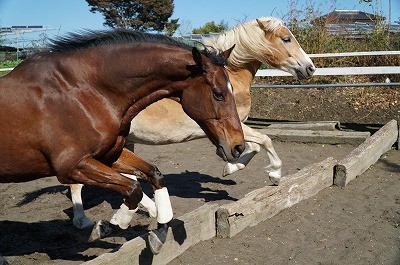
[
  {"x": 252, "y": 147},
  {"x": 134, "y": 196},
  {"x": 157, "y": 178}
]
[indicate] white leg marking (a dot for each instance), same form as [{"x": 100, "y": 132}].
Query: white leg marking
[
  {"x": 123, "y": 216},
  {"x": 250, "y": 150},
  {"x": 274, "y": 168},
  {"x": 146, "y": 202},
  {"x": 80, "y": 220},
  {"x": 129, "y": 176},
  {"x": 149, "y": 204},
  {"x": 163, "y": 204}
]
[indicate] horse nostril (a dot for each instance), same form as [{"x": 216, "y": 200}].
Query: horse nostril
[
  {"x": 310, "y": 69},
  {"x": 237, "y": 150}
]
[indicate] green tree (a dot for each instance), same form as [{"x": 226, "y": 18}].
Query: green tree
[
  {"x": 142, "y": 15},
  {"x": 171, "y": 26},
  {"x": 366, "y": 1},
  {"x": 211, "y": 27}
]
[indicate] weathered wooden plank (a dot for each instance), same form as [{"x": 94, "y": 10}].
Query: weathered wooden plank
[
  {"x": 322, "y": 137},
  {"x": 263, "y": 203},
  {"x": 366, "y": 154},
  {"x": 184, "y": 232},
  {"x": 313, "y": 126}
]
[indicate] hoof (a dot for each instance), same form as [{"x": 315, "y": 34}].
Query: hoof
[
  {"x": 82, "y": 223},
  {"x": 275, "y": 181},
  {"x": 154, "y": 243},
  {"x": 275, "y": 176},
  {"x": 101, "y": 230},
  {"x": 3, "y": 261},
  {"x": 157, "y": 238},
  {"x": 232, "y": 168}
]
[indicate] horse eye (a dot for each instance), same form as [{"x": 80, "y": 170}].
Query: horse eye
[
  {"x": 286, "y": 39},
  {"x": 219, "y": 95}
]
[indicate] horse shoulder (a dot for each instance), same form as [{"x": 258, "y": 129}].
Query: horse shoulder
[{"x": 241, "y": 82}]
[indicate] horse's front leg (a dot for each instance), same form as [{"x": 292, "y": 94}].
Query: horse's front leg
[
  {"x": 81, "y": 221},
  {"x": 253, "y": 140},
  {"x": 150, "y": 173}
]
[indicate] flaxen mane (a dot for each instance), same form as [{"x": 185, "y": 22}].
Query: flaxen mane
[{"x": 250, "y": 40}]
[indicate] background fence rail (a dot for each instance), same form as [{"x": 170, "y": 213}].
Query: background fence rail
[
  {"x": 370, "y": 70},
  {"x": 330, "y": 71}
]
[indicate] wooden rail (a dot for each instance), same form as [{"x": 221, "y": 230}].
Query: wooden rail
[{"x": 372, "y": 70}]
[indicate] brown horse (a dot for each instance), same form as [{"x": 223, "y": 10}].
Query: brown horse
[
  {"x": 67, "y": 111},
  {"x": 264, "y": 40}
]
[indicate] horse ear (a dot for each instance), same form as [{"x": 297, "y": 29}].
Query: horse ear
[
  {"x": 197, "y": 68},
  {"x": 262, "y": 24},
  {"x": 197, "y": 57},
  {"x": 228, "y": 52}
]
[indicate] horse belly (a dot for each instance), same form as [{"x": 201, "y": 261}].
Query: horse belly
[
  {"x": 23, "y": 165},
  {"x": 163, "y": 122}
]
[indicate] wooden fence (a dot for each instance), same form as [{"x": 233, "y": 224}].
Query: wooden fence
[{"x": 371, "y": 70}]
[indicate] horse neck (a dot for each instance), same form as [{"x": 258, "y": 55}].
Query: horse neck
[
  {"x": 242, "y": 78},
  {"x": 135, "y": 86},
  {"x": 242, "y": 74}
]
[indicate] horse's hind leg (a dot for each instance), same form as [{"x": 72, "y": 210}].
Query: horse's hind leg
[
  {"x": 254, "y": 140},
  {"x": 129, "y": 163},
  {"x": 80, "y": 220}
]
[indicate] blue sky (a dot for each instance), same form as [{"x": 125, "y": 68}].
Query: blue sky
[{"x": 72, "y": 15}]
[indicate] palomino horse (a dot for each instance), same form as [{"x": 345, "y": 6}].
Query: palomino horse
[
  {"x": 67, "y": 111},
  {"x": 263, "y": 40}
]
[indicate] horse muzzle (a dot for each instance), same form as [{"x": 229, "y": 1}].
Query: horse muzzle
[
  {"x": 230, "y": 155},
  {"x": 305, "y": 72}
]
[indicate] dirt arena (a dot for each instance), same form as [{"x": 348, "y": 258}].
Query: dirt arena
[{"x": 355, "y": 225}]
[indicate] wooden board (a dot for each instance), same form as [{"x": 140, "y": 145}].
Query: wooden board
[
  {"x": 366, "y": 154},
  {"x": 322, "y": 137},
  {"x": 184, "y": 232},
  {"x": 264, "y": 203},
  {"x": 314, "y": 126}
]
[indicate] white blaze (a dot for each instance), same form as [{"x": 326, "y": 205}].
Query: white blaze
[{"x": 230, "y": 87}]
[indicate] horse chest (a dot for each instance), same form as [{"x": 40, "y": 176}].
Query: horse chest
[{"x": 243, "y": 103}]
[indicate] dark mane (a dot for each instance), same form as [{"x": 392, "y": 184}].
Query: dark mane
[{"x": 97, "y": 38}]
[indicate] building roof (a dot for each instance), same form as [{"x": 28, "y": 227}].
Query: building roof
[{"x": 351, "y": 15}]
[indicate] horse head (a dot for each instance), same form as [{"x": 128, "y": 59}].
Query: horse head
[
  {"x": 282, "y": 49},
  {"x": 208, "y": 100}
]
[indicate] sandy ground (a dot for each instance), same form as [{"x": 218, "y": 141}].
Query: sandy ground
[{"x": 355, "y": 225}]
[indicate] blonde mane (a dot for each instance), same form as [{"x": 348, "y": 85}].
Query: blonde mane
[{"x": 249, "y": 39}]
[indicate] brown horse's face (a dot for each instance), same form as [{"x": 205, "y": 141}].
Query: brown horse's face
[
  {"x": 209, "y": 101},
  {"x": 285, "y": 52}
]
